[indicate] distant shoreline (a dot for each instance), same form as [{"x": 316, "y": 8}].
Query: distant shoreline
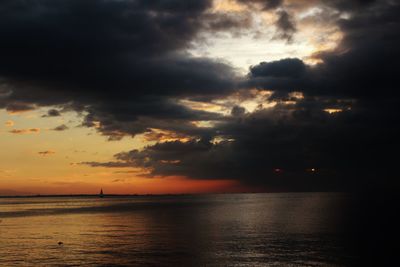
[
  {"x": 159, "y": 195},
  {"x": 91, "y": 195}
]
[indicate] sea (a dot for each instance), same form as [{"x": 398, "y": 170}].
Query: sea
[{"x": 263, "y": 229}]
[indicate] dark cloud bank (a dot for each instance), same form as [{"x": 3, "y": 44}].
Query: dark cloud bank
[{"x": 121, "y": 62}]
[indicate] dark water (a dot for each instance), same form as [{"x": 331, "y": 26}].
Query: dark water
[{"x": 296, "y": 229}]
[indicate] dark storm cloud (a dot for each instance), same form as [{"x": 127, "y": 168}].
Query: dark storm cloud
[
  {"x": 69, "y": 27},
  {"x": 282, "y": 77},
  {"x": 121, "y": 64},
  {"x": 125, "y": 43},
  {"x": 111, "y": 56},
  {"x": 348, "y": 149},
  {"x": 360, "y": 75},
  {"x": 132, "y": 117},
  {"x": 290, "y": 67},
  {"x": 362, "y": 64}
]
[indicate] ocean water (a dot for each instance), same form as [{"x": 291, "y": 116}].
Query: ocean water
[{"x": 273, "y": 229}]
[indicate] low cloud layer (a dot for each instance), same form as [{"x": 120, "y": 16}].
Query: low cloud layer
[
  {"x": 46, "y": 153},
  {"x": 25, "y": 131}
]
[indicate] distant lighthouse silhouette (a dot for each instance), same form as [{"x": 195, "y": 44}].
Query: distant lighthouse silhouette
[{"x": 101, "y": 193}]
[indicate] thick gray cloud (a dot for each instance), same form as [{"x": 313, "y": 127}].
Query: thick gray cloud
[
  {"x": 290, "y": 67},
  {"x": 347, "y": 151},
  {"x": 106, "y": 55},
  {"x": 122, "y": 62},
  {"x": 363, "y": 63},
  {"x": 295, "y": 138}
]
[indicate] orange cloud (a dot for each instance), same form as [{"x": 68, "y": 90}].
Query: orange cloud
[
  {"x": 164, "y": 136},
  {"x": 25, "y": 131},
  {"x": 9, "y": 123}
]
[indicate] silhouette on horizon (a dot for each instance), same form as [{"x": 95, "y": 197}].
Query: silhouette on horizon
[{"x": 101, "y": 193}]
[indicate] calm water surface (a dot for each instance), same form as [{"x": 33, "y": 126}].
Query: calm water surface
[{"x": 296, "y": 229}]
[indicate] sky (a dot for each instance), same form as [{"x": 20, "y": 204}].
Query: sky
[{"x": 198, "y": 96}]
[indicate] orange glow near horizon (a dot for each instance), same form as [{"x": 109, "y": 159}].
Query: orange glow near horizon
[
  {"x": 42, "y": 154},
  {"x": 140, "y": 186},
  {"x": 47, "y": 161}
]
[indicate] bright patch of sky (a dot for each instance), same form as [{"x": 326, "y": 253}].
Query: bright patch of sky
[{"x": 259, "y": 41}]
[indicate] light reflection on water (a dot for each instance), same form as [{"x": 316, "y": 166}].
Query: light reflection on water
[{"x": 301, "y": 229}]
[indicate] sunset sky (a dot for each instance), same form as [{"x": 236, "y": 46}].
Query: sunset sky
[{"x": 197, "y": 96}]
